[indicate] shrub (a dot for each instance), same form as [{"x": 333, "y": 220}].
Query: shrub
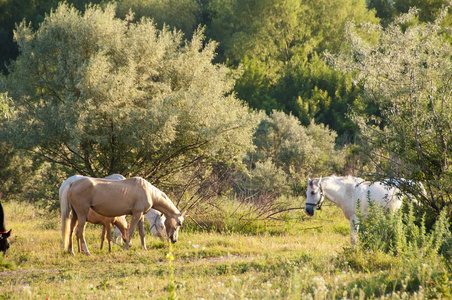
[{"x": 394, "y": 244}]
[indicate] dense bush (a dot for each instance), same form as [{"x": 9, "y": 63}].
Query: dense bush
[
  {"x": 285, "y": 154},
  {"x": 389, "y": 242},
  {"x": 98, "y": 95}
]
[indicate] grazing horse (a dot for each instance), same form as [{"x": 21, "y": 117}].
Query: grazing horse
[
  {"x": 156, "y": 225},
  {"x": 119, "y": 222},
  {"x": 345, "y": 192},
  {"x": 133, "y": 196},
  {"x": 64, "y": 203},
  {"x": 4, "y": 235}
]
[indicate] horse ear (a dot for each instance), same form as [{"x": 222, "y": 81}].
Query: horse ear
[
  {"x": 309, "y": 179},
  {"x": 183, "y": 213},
  {"x": 8, "y": 233}
]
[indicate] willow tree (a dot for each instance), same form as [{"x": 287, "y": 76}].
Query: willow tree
[
  {"x": 101, "y": 95},
  {"x": 407, "y": 75}
]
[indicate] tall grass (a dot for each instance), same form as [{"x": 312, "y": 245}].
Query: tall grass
[{"x": 293, "y": 257}]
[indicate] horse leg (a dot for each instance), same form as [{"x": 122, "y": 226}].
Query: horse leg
[
  {"x": 74, "y": 221},
  {"x": 142, "y": 232},
  {"x": 135, "y": 219},
  {"x": 81, "y": 234},
  {"x": 108, "y": 236},
  {"x": 102, "y": 238}
]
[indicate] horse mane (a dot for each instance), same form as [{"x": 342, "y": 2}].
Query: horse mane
[{"x": 157, "y": 193}]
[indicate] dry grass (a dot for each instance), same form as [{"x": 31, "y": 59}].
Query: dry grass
[{"x": 288, "y": 264}]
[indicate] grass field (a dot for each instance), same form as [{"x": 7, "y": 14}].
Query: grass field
[{"x": 300, "y": 258}]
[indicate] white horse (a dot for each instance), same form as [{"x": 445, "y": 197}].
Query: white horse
[
  {"x": 63, "y": 197},
  {"x": 410, "y": 188},
  {"x": 345, "y": 192},
  {"x": 156, "y": 225}
]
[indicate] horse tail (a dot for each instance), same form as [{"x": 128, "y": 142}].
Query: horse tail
[{"x": 65, "y": 216}]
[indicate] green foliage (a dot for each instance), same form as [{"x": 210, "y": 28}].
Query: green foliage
[
  {"x": 312, "y": 90},
  {"x": 409, "y": 136},
  {"x": 6, "y": 110},
  {"x": 101, "y": 95},
  {"x": 390, "y": 242},
  {"x": 399, "y": 235},
  {"x": 276, "y": 31},
  {"x": 286, "y": 152},
  {"x": 278, "y": 43},
  {"x": 384, "y": 10},
  {"x": 181, "y": 15},
  {"x": 13, "y": 12},
  {"x": 428, "y": 9}
]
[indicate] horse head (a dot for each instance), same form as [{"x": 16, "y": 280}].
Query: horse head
[
  {"x": 314, "y": 196},
  {"x": 4, "y": 235},
  {"x": 160, "y": 225},
  {"x": 173, "y": 225},
  {"x": 4, "y": 244}
]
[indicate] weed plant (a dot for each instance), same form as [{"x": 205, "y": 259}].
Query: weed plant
[{"x": 406, "y": 257}]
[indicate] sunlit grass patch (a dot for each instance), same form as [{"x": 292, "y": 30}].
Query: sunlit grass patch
[{"x": 311, "y": 260}]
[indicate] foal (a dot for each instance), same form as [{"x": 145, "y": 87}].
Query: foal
[{"x": 106, "y": 222}]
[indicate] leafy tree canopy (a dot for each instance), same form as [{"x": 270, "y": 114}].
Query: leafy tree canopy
[
  {"x": 102, "y": 95},
  {"x": 278, "y": 43},
  {"x": 286, "y": 153},
  {"x": 182, "y": 15},
  {"x": 407, "y": 75}
]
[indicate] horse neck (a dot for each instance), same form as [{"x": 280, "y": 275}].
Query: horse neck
[
  {"x": 164, "y": 205},
  {"x": 119, "y": 222},
  {"x": 334, "y": 190}
]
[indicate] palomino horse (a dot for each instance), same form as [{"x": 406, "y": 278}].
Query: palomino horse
[
  {"x": 119, "y": 222},
  {"x": 345, "y": 192},
  {"x": 133, "y": 196},
  {"x": 65, "y": 205},
  {"x": 156, "y": 225},
  {"x": 4, "y": 235}
]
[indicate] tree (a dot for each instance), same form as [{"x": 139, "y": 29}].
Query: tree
[
  {"x": 13, "y": 12},
  {"x": 387, "y": 10},
  {"x": 181, "y": 15},
  {"x": 278, "y": 44},
  {"x": 407, "y": 75},
  {"x": 286, "y": 153},
  {"x": 100, "y": 95},
  {"x": 384, "y": 10},
  {"x": 428, "y": 9}
]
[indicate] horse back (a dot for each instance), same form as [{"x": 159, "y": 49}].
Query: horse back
[
  {"x": 378, "y": 193},
  {"x": 110, "y": 198}
]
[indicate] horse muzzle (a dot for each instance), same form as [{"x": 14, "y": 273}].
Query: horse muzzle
[{"x": 309, "y": 210}]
